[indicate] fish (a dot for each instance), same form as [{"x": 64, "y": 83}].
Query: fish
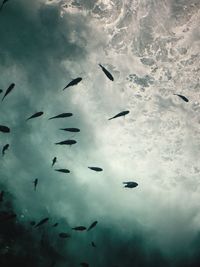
[
  {"x": 84, "y": 264},
  {"x": 4, "y": 149},
  {"x": 62, "y": 115},
  {"x": 73, "y": 130},
  {"x": 35, "y": 184},
  {"x": 123, "y": 113},
  {"x": 1, "y": 196},
  {"x": 92, "y": 225},
  {"x": 62, "y": 170},
  {"x": 183, "y": 97},
  {"x": 55, "y": 225},
  {"x": 79, "y": 228},
  {"x": 10, "y": 88},
  {"x": 3, "y": 3},
  {"x": 43, "y": 221},
  {"x": 54, "y": 161},
  {"x": 64, "y": 235},
  {"x": 35, "y": 115},
  {"x": 97, "y": 169},
  {"x": 93, "y": 244},
  {"x": 107, "y": 73},
  {"x": 73, "y": 82},
  {"x": 66, "y": 142},
  {"x": 5, "y": 216},
  {"x": 4, "y": 129},
  {"x": 130, "y": 184}
]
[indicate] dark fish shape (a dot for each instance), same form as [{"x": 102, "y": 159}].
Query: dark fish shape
[
  {"x": 62, "y": 115},
  {"x": 84, "y": 264},
  {"x": 4, "y": 129},
  {"x": 1, "y": 196},
  {"x": 123, "y": 113},
  {"x": 4, "y": 149},
  {"x": 35, "y": 183},
  {"x": 73, "y": 82},
  {"x": 5, "y": 216},
  {"x": 55, "y": 225},
  {"x": 183, "y": 97},
  {"x": 64, "y": 235},
  {"x": 43, "y": 221},
  {"x": 92, "y": 225},
  {"x": 32, "y": 223},
  {"x": 3, "y": 3},
  {"x": 130, "y": 184},
  {"x": 54, "y": 161},
  {"x": 79, "y": 228},
  {"x": 37, "y": 114},
  {"x": 10, "y": 88},
  {"x": 107, "y": 73},
  {"x": 66, "y": 142},
  {"x": 93, "y": 244},
  {"x": 72, "y": 130},
  {"x": 97, "y": 169},
  {"x": 1, "y": 91},
  {"x": 62, "y": 170}
]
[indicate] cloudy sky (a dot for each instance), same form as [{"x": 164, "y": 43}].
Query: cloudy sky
[{"x": 151, "y": 47}]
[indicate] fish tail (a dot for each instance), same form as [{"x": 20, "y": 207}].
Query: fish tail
[{"x": 111, "y": 118}]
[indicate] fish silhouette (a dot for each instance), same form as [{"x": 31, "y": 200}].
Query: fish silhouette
[
  {"x": 73, "y": 82},
  {"x": 107, "y": 73}
]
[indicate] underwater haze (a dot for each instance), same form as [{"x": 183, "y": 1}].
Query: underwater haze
[{"x": 99, "y": 161}]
